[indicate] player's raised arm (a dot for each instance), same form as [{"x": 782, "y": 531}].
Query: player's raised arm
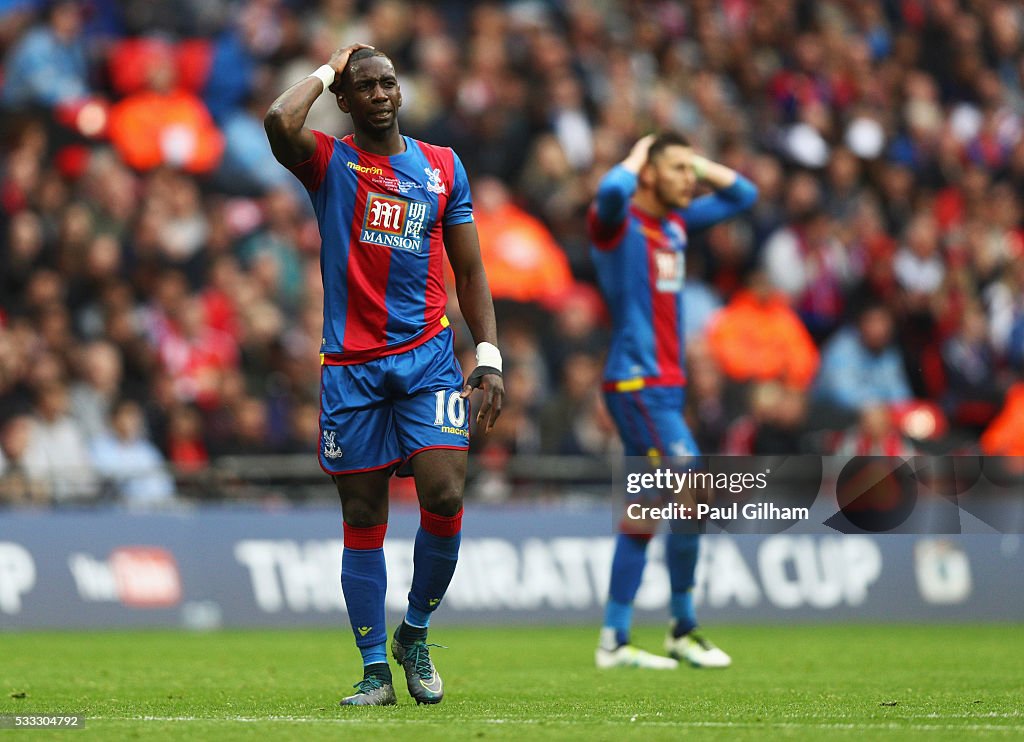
[
  {"x": 611, "y": 204},
  {"x": 732, "y": 194},
  {"x": 463, "y": 246},
  {"x": 285, "y": 122}
]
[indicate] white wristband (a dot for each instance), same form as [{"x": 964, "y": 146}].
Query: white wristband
[
  {"x": 325, "y": 73},
  {"x": 700, "y": 166},
  {"x": 488, "y": 355}
]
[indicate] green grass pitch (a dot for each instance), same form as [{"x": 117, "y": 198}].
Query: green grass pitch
[{"x": 793, "y": 682}]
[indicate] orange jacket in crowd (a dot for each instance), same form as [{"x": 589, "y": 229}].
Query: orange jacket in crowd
[
  {"x": 1005, "y": 435},
  {"x": 524, "y": 262},
  {"x": 763, "y": 340},
  {"x": 150, "y": 129}
]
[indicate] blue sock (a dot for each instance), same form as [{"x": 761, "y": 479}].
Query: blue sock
[
  {"x": 364, "y": 580},
  {"x": 435, "y": 554},
  {"x": 627, "y": 571},
  {"x": 374, "y": 655},
  {"x": 681, "y": 554}
]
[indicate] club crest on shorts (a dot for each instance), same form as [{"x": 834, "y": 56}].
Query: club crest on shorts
[
  {"x": 331, "y": 450},
  {"x": 434, "y": 184}
]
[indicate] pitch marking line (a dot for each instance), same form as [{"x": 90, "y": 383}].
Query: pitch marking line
[{"x": 853, "y": 726}]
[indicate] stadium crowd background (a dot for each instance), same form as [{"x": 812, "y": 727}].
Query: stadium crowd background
[{"x": 159, "y": 289}]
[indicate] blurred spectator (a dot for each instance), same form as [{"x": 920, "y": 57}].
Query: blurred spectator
[
  {"x": 93, "y": 396},
  {"x": 521, "y": 348},
  {"x": 1005, "y": 302},
  {"x": 132, "y": 464},
  {"x": 271, "y": 253},
  {"x": 775, "y": 424},
  {"x": 707, "y": 413},
  {"x": 918, "y": 264},
  {"x": 196, "y": 354},
  {"x": 249, "y": 167},
  {"x": 49, "y": 64},
  {"x": 17, "y": 486},
  {"x": 186, "y": 449},
  {"x": 564, "y": 427},
  {"x": 233, "y": 65},
  {"x": 875, "y": 250},
  {"x": 303, "y": 429},
  {"x": 806, "y": 261},
  {"x": 165, "y": 125},
  {"x": 757, "y": 337},
  {"x": 524, "y": 263},
  {"x": 1003, "y": 437},
  {"x": 24, "y": 253},
  {"x": 701, "y": 303},
  {"x": 248, "y": 435},
  {"x": 972, "y": 389},
  {"x": 57, "y": 456},
  {"x": 861, "y": 366},
  {"x": 784, "y": 430},
  {"x": 875, "y": 434},
  {"x": 549, "y": 186},
  {"x": 578, "y": 327},
  {"x": 843, "y": 191},
  {"x": 743, "y": 432}
]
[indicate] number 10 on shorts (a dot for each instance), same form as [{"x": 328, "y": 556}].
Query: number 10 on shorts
[{"x": 456, "y": 408}]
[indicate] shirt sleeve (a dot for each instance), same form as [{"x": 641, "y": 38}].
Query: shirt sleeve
[
  {"x": 311, "y": 172},
  {"x": 607, "y": 216},
  {"x": 459, "y": 209},
  {"x": 716, "y": 207}
]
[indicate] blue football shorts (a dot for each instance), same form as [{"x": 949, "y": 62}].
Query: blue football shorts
[
  {"x": 650, "y": 422},
  {"x": 379, "y": 414},
  {"x": 651, "y": 425}
]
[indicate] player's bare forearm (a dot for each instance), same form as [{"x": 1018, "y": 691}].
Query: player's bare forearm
[
  {"x": 637, "y": 156},
  {"x": 477, "y": 307},
  {"x": 471, "y": 285},
  {"x": 716, "y": 175},
  {"x": 285, "y": 122}
]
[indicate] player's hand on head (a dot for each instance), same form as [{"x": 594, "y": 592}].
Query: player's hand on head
[
  {"x": 643, "y": 144},
  {"x": 488, "y": 379},
  {"x": 340, "y": 57},
  {"x": 638, "y": 154}
]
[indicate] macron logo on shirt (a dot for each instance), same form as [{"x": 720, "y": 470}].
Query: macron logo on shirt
[{"x": 364, "y": 169}]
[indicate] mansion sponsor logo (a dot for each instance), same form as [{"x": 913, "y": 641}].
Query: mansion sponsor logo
[
  {"x": 135, "y": 576},
  {"x": 670, "y": 271},
  {"x": 391, "y": 221},
  {"x": 571, "y": 573}
]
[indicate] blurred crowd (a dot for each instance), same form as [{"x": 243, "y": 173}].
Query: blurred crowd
[{"x": 160, "y": 300}]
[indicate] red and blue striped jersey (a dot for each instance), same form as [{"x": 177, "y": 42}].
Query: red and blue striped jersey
[
  {"x": 381, "y": 221},
  {"x": 641, "y": 272}
]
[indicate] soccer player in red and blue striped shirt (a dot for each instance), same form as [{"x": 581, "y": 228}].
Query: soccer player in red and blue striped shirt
[
  {"x": 639, "y": 224},
  {"x": 392, "y": 394}
]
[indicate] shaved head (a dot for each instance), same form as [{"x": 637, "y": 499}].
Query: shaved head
[{"x": 358, "y": 56}]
